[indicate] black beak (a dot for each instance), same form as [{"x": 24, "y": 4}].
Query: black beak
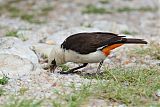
[{"x": 52, "y": 68}]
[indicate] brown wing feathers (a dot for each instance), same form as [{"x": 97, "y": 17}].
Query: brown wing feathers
[
  {"x": 85, "y": 43},
  {"x": 113, "y": 40}
]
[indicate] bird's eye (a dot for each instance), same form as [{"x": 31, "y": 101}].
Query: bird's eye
[{"x": 53, "y": 62}]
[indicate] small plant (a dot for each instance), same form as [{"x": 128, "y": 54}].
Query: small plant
[
  {"x": 45, "y": 10},
  {"x": 87, "y": 25},
  {"x": 23, "y": 103},
  {"x": 141, "y": 9},
  {"x": 1, "y": 91},
  {"x": 128, "y": 32},
  {"x": 129, "y": 86},
  {"x": 95, "y": 10},
  {"x": 44, "y": 56},
  {"x": 14, "y": 11},
  {"x": 4, "y": 80},
  {"x": 12, "y": 33},
  {"x": 104, "y": 1},
  {"x": 74, "y": 99},
  {"x": 125, "y": 9},
  {"x": 64, "y": 67},
  {"x": 56, "y": 104},
  {"x": 23, "y": 90},
  {"x": 30, "y": 18},
  {"x": 148, "y": 9},
  {"x": 27, "y": 17},
  {"x": 14, "y": 1},
  {"x": 23, "y": 38}
]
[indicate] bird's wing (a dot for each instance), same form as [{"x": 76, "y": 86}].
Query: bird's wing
[{"x": 85, "y": 43}]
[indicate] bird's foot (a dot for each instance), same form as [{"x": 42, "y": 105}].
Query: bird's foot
[{"x": 70, "y": 72}]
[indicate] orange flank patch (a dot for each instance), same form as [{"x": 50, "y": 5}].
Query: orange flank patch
[{"x": 107, "y": 50}]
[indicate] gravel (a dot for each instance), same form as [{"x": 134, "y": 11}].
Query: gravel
[{"x": 18, "y": 59}]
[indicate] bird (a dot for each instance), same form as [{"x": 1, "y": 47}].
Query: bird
[{"x": 87, "y": 47}]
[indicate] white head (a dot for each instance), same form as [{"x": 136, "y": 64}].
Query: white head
[{"x": 56, "y": 57}]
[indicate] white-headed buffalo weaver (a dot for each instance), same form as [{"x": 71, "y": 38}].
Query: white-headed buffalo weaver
[{"x": 87, "y": 48}]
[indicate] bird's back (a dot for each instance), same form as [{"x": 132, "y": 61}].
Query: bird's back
[{"x": 85, "y": 43}]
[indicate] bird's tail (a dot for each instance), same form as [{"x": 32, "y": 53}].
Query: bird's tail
[
  {"x": 133, "y": 41},
  {"x": 122, "y": 40},
  {"x": 119, "y": 41}
]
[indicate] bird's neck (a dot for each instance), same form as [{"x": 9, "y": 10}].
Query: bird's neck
[{"x": 57, "y": 53}]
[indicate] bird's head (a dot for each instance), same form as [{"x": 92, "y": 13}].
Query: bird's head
[{"x": 56, "y": 58}]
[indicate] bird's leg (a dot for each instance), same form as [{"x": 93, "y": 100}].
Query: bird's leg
[
  {"x": 99, "y": 67},
  {"x": 72, "y": 70}
]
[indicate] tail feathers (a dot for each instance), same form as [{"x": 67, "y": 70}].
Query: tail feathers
[
  {"x": 135, "y": 41},
  {"x": 122, "y": 40}
]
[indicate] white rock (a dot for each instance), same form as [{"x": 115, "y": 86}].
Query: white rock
[
  {"x": 42, "y": 49},
  {"x": 97, "y": 103},
  {"x": 158, "y": 93},
  {"x": 14, "y": 46},
  {"x": 14, "y": 66},
  {"x": 122, "y": 105}
]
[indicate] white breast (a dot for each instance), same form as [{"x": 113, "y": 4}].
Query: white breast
[{"x": 94, "y": 57}]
